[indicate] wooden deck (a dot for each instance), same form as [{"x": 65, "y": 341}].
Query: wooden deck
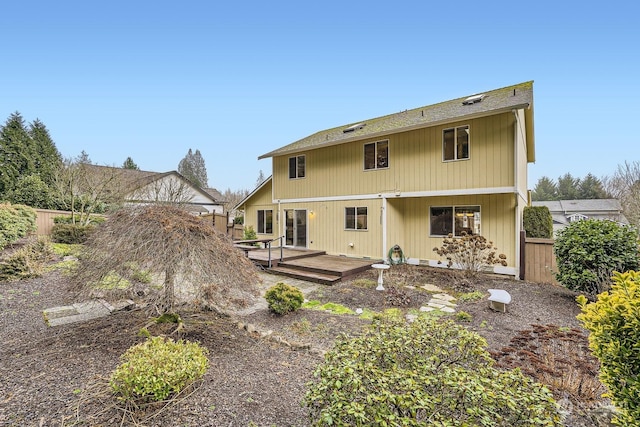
[{"x": 314, "y": 266}]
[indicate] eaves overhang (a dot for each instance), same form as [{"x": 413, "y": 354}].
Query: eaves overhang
[{"x": 526, "y": 106}]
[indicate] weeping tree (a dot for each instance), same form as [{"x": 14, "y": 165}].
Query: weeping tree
[{"x": 184, "y": 254}]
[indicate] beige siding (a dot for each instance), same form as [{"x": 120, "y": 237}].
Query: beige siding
[
  {"x": 326, "y": 228},
  {"x": 407, "y": 225},
  {"x": 261, "y": 200},
  {"x": 415, "y": 164},
  {"x": 497, "y": 216}
]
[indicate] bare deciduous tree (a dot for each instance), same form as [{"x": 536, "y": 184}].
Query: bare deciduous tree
[
  {"x": 170, "y": 189},
  {"x": 85, "y": 189},
  {"x": 624, "y": 185},
  {"x": 186, "y": 254}
]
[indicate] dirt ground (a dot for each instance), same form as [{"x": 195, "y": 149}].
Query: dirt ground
[{"x": 57, "y": 376}]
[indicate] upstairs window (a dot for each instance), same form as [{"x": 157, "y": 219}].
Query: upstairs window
[
  {"x": 376, "y": 155},
  {"x": 265, "y": 221},
  {"x": 455, "y": 143},
  {"x": 355, "y": 218},
  {"x": 297, "y": 168}
]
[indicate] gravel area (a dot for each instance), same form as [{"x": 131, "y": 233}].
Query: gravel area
[{"x": 57, "y": 376}]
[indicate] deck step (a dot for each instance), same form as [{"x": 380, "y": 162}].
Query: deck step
[{"x": 311, "y": 276}]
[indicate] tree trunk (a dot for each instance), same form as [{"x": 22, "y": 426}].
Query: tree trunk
[{"x": 169, "y": 291}]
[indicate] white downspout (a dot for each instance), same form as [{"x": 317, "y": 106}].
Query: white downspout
[
  {"x": 383, "y": 219},
  {"x": 281, "y": 223},
  {"x": 518, "y": 220}
]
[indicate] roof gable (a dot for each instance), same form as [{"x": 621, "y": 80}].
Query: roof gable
[{"x": 487, "y": 103}]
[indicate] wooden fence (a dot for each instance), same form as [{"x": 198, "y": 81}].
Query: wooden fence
[
  {"x": 221, "y": 223},
  {"x": 44, "y": 220},
  {"x": 44, "y": 223},
  {"x": 539, "y": 261}
]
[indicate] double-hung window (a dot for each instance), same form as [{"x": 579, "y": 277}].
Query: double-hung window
[
  {"x": 297, "y": 167},
  {"x": 455, "y": 143},
  {"x": 355, "y": 218},
  {"x": 455, "y": 220},
  {"x": 265, "y": 221},
  {"x": 376, "y": 155}
]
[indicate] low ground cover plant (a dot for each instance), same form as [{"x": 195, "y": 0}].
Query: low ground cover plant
[
  {"x": 557, "y": 357},
  {"x": 283, "y": 299},
  {"x": 157, "y": 370},
  {"x": 28, "y": 261},
  {"x": 429, "y": 372},
  {"x": 16, "y": 221}
]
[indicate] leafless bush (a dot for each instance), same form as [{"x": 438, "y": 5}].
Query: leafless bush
[
  {"x": 169, "y": 243},
  {"x": 470, "y": 253},
  {"x": 557, "y": 357}
]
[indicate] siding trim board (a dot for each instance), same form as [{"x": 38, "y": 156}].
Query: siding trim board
[{"x": 396, "y": 195}]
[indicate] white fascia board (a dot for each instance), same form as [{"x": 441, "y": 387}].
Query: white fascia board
[{"x": 400, "y": 194}]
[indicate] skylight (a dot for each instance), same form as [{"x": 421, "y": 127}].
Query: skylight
[
  {"x": 354, "y": 127},
  {"x": 473, "y": 99}
]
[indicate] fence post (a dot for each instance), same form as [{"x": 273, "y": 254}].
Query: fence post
[{"x": 523, "y": 246}]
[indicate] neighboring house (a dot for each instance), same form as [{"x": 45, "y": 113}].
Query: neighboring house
[
  {"x": 565, "y": 212},
  {"x": 406, "y": 179},
  {"x": 142, "y": 187}
]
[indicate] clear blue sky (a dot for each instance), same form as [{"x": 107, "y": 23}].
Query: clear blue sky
[{"x": 236, "y": 80}]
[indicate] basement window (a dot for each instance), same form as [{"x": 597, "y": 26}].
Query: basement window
[{"x": 355, "y": 218}]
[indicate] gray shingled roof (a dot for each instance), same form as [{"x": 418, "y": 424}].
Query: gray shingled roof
[
  {"x": 593, "y": 208},
  {"x": 494, "y": 102},
  {"x": 581, "y": 206}
]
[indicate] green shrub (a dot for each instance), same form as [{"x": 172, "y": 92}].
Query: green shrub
[
  {"x": 613, "y": 322},
  {"x": 71, "y": 233},
  {"x": 589, "y": 251},
  {"x": 16, "y": 221},
  {"x": 250, "y": 233},
  {"x": 32, "y": 191},
  {"x": 28, "y": 261},
  {"x": 158, "y": 369},
  {"x": 426, "y": 373},
  {"x": 538, "y": 222},
  {"x": 471, "y": 253},
  {"x": 68, "y": 219},
  {"x": 283, "y": 298}
]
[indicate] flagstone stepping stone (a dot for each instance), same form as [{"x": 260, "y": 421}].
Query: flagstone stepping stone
[
  {"x": 431, "y": 288},
  {"x": 83, "y": 311},
  {"x": 443, "y": 296}
]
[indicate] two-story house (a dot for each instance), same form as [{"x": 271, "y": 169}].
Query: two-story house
[{"x": 406, "y": 179}]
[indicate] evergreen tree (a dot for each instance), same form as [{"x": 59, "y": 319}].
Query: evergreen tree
[
  {"x": 16, "y": 153},
  {"x": 130, "y": 164},
  {"x": 83, "y": 158},
  {"x": 591, "y": 187},
  {"x": 193, "y": 168},
  {"x": 545, "y": 190},
  {"x": 260, "y": 178},
  {"x": 568, "y": 187},
  {"x": 200, "y": 169},
  {"x": 47, "y": 158}
]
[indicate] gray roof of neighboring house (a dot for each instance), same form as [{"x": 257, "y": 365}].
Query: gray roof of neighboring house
[
  {"x": 592, "y": 208},
  {"x": 215, "y": 194},
  {"x": 493, "y": 102},
  {"x": 134, "y": 178}
]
